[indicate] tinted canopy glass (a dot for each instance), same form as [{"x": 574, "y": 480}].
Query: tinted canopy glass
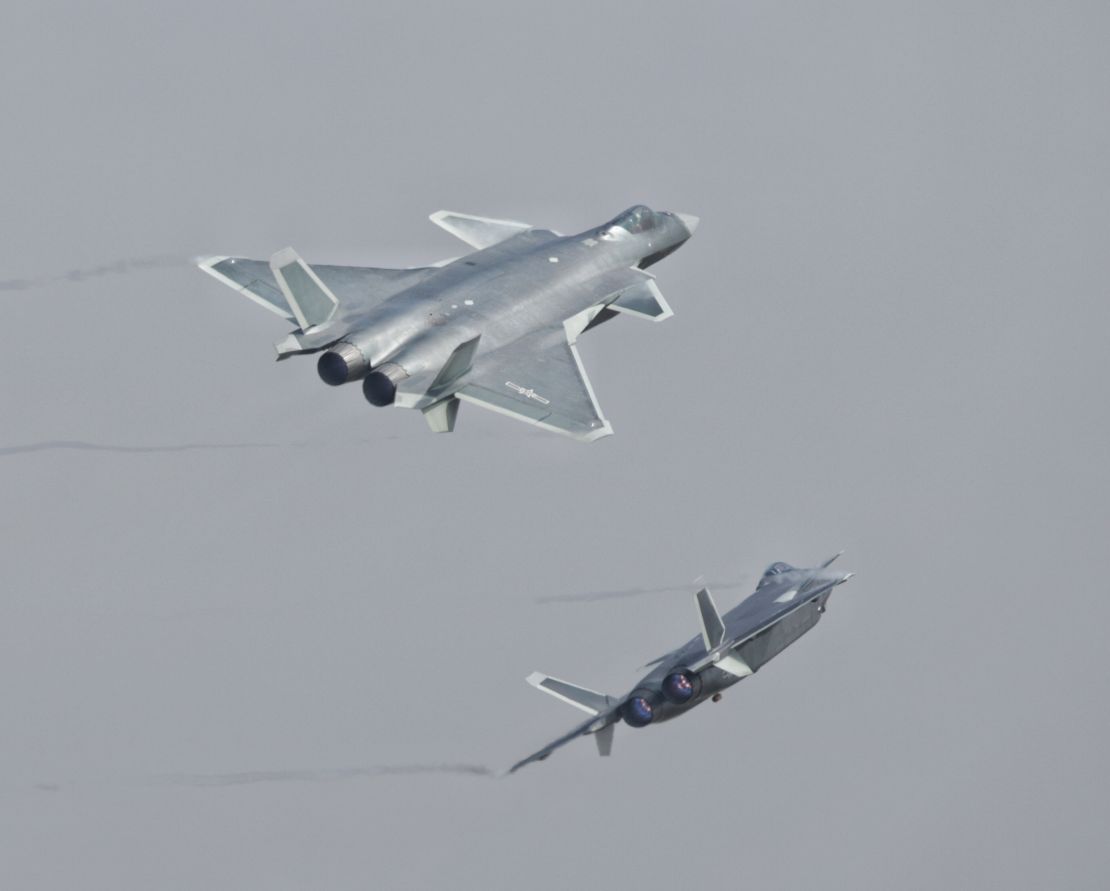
[{"x": 636, "y": 219}]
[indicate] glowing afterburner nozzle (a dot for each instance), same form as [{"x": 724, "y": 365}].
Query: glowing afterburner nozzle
[{"x": 637, "y": 712}]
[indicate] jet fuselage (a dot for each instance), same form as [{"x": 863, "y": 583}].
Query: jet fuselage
[
  {"x": 774, "y": 606},
  {"x": 786, "y": 604},
  {"x": 500, "y": 293}
]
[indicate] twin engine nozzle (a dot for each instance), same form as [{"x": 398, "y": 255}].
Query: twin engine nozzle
[
  {"x": 345, "y": 362},
  {"x": 678, "y": 688}
]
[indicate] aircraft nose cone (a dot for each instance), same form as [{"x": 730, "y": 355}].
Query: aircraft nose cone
[
  {"x": 689, "y": 221},
  {"x": 827, "y": 577}
]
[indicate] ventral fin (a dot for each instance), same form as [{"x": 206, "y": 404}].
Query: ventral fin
[
  {"x": 441, "y": 415},
  {"x": 604, "y": 740}
]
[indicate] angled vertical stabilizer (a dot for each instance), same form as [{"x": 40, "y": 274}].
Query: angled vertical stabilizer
[
  {"x": 309, "y": 298},
  {"x": 712, "y": 626}
]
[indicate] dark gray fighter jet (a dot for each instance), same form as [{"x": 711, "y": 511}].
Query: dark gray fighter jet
[
  {"x": 496, "y": 327},
  {"x": 785, "y": 605}
]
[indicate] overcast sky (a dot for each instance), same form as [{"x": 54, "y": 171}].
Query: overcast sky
[{"x": 257, "y": 633}]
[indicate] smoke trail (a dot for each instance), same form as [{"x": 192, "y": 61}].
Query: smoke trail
[
  {"x": 78, "y": 445},
  {"x": 252, "y": 777},
  {"x": 116, "y": 267},
  {"x": 592, "y": 596}
]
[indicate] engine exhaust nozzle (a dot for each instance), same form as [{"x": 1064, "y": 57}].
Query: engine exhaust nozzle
[
  {"x": 380, "y": 386},
  {"x": 344, "y": 362},
  {"x": 637, "y": 711}
]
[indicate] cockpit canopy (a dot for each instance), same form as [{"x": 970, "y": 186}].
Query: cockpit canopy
[
  {"x": 773, "y": 570},
  {"x": 637, "y": 218}
]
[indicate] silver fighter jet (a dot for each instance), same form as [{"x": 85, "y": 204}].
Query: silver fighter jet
[
  {"x": 785, "y": 605},
  {"x": 496, "y": 327}
]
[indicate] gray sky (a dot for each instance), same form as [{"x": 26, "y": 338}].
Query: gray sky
[{"x": 237, "y": 650}]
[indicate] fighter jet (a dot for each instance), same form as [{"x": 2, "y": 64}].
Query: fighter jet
[
  {"x": 496, "y": 327},
  {"x": 785, "y": 605}
]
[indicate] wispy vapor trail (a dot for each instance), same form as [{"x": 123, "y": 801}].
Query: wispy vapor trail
[
  {"x": 591, "y": 596},
  {"x": 78, "y": 445},
  {"x": 116, "y": 267},
  {"x": 251, "y": 777},
  {"x": 256, "y": 777}
]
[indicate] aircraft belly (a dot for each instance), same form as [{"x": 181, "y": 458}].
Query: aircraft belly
[{"x": 769, "y": 643}]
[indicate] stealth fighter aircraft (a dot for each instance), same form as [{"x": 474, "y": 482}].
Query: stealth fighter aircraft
[
  {"x": 785, "y": 605},
  {"x": 496, "y": 327}
]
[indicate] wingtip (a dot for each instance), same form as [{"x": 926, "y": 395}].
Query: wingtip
[
  {"x": 606, "y": 429},
  {"x": 206, "y": 263},
  {"x": 536, "y": 678}
]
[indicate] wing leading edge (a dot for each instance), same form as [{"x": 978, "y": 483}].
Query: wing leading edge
[{"x": 580, "y": 730}]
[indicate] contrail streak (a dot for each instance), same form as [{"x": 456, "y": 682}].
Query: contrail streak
[
  {"x": 591, "y": 596},
  {"x": 117, "y": 267},
  {"x": 256, "y": 777},
  {"x": 252, "y": 777},
  {"x": 78, "y": 445}
]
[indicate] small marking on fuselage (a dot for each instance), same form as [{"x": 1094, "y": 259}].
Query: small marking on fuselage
[
  {"x": 469, "y": 302},
  {"x": 552, "y": 259},
  {"x": 528, "y": 392},
  {"x": 590, "y": 242},
  {"x": 787, "y": 597}
]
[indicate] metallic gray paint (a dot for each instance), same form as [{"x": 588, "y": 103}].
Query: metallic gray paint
[
  {"x": 786, "y": 604},
  {"x": 524, "y": 296}
]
